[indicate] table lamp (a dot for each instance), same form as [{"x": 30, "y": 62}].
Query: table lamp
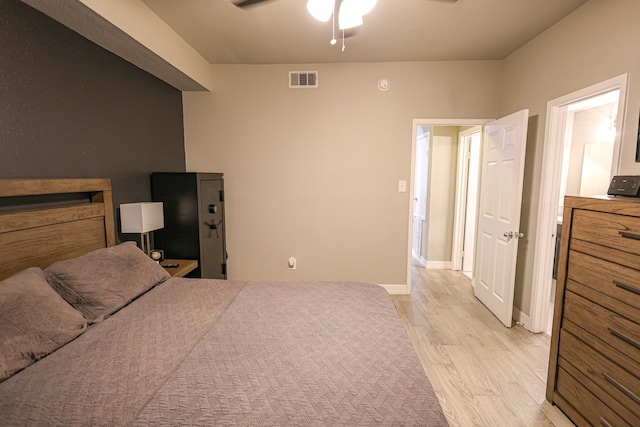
[{"x": 142, "y": 218}]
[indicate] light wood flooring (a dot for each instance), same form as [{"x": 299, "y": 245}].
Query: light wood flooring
[{"x": 483, "y": 373}]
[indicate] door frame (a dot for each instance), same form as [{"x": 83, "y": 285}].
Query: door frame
[
  {"x": 553, "y": 146},
  {"x": 429, "y": 141},
  {"x": 462, "y": 189},
  {"x": 415, "y": 124}
]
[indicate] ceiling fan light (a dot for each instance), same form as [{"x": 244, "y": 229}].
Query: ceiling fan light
[
  {"x": 364, "y": 6},
  {"x": 349, "y": 16},
  {"x": 321, "y": 9}
]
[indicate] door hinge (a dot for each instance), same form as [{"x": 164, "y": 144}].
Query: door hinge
[
  {"x": 224, "y": 269},
  {"x": 222, "y": 195}
]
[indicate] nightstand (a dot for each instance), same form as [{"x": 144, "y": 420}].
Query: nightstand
[{"x": 185, "y": 266}]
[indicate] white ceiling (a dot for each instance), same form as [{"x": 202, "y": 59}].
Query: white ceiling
[{"x": 283, "y": 32}]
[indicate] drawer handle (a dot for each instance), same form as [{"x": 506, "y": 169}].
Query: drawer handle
[
  {"x": 604, "y": 423},
  {"x": 622, "y": 388},
  {"x": 629, "y": 235},
  {"x": 624, "y": 338},
  {"x": 627, "y": 287}
]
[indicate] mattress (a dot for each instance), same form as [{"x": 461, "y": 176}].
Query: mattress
[{"x": 207, "y": 352}]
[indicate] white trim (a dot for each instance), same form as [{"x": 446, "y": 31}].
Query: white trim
[
  {"x": 415, "y": 124},
  {"x": 397, "y": 289},
  {"x": 420, "y": 260},
  {"x": 550, "y": 190},
  {"x": 460, "y": 203},
  {"x": 461, "y": 195},
  {"x": 439, "y": 265},
  {"x": 520, "y": 317}
]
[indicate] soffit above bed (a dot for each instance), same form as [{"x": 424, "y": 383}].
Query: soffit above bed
[{"x": 130, "y": 30}]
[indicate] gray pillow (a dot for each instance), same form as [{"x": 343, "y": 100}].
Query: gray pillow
[
  {"x": 34, "y": 321},
  {"x": 103, "y": 281}
]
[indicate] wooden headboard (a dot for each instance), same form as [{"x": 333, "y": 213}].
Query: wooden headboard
[{"x": 47, "y": 220}]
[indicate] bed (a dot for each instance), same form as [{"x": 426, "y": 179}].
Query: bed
[{"x": 95, "y": 333}]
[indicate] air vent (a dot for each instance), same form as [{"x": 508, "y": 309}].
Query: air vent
[{"x": 303, "y": 79}]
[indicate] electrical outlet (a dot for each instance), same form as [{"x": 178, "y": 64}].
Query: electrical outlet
[{"x": 292, "y": 263}]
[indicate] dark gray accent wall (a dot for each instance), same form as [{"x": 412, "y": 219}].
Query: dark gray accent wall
[{"x": 70, "y": 109}]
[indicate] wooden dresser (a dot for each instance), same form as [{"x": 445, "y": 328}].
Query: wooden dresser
[{"x": 594, "y": 364}]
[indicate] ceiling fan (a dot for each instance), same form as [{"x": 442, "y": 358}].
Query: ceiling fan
[
  {"x": 247, "y": 3},
  {"x": 348, "y": 12}
]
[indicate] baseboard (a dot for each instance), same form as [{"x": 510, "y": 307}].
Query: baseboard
[
  {"x": 520, "y": 317},
  {"x": 555, "y": 415},
  {"x": 439, "y": 265},
  {"x": 396, "y": 289},
  {"x": 419, "y": 260}
]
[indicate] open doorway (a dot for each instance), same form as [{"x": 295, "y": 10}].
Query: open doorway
[
  {"x": 587, "y": 158},
  {"x": 501, "y": 185},
  {"x": 581, "y": 153},
  {"x": 431, "y": 240}
]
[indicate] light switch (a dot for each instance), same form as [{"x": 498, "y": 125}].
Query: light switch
[{"x": 402, "y": 186}]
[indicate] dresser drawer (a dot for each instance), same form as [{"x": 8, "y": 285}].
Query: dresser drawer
[
  {"x": 614, "y": 330},
  {"x": 619, "y": 282},
  {"x": 617, "y": 382},
  {"x": 614, "y": 231},
  {"x": 592, "y": 409},
  {"x": 594, "y": 358}
]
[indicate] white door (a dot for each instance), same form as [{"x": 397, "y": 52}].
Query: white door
[{"x": 499, "y": 213}]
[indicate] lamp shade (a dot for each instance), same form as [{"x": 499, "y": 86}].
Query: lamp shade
[{"x": 141, "y": 217}]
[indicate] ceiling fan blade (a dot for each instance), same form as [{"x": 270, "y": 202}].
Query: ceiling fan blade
[{"x": 246, "y": 3}]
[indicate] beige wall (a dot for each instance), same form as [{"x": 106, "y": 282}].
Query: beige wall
[
  {"x": 443, "y": 193},
  {"x": 313, "y": 173},
  {"x": 593, "y": 44}
]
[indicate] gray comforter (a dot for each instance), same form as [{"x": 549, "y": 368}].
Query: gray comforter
[{"x": 206, "y": 352}]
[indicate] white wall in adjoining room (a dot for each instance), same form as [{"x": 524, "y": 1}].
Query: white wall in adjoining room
[
  {"x": 591, "y": 135},
  {"x": 313, "y": 173}
]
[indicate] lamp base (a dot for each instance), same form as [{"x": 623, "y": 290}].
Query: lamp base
[{"x": 145, "y": 243}]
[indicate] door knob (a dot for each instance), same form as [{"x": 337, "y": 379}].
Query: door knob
[{"x": 512, "y": 235}]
